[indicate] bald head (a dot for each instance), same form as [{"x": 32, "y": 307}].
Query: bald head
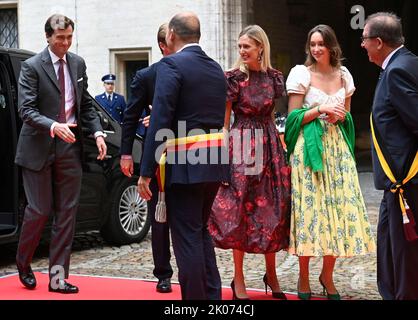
[
  {"x": 186, "y": 26},
  {"x": 388, "y": 27}
]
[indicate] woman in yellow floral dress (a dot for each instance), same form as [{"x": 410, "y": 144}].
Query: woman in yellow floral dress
[{"x": 328, "y": 216}]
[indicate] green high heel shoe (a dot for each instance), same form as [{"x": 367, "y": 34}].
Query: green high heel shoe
[
  {"x": 304, "y": 295},
  {"x": 335, "y": 296}
]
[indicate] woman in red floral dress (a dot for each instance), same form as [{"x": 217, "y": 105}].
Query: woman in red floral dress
[{"x": 252, "y": 213}]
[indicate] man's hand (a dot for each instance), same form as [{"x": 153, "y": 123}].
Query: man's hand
[
  {"x": 147, "y": 119},
  {"x": 63, "y": 131},
  {"x": 127, "y": 167},
  {"x": 143, "y": 188},
  {"x": 101, "y": 146}
]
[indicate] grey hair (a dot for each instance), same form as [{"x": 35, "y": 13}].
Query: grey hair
[{"x": 388, "y": 27}]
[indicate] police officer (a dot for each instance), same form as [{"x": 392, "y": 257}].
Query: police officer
[{"x": 114, "y": 103}]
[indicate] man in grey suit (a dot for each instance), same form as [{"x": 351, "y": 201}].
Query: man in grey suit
[{"x": 53, "y": 104}]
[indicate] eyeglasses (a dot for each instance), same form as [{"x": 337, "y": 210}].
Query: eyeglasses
[{"x": 368, "y": 37}]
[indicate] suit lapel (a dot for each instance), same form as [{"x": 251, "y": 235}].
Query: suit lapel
[
  {"x": 49, "y": 68},
  {"x": 382, "y": 74},
  {"x": 72, "y": 68},
  {"x": 376, "y": 92},
  {"x": 397, "y": 53}
]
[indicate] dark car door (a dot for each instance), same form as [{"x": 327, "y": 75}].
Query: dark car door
[
  {"x": 96, "y": 173},
  {"x": 9, "y": 184},
  {"x": 108, "y": 199}
]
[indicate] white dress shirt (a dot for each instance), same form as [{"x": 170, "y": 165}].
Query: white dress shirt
[{"x": 70, "y": 98}]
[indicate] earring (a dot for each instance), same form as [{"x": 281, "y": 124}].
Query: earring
[{"x": 260, "y": 56}]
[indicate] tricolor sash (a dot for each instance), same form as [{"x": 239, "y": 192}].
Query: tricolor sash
[
  {"x": 204, "y": 141},
  {"x": 398, "y": 185}
]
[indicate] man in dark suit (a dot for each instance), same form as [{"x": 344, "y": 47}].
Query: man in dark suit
[
  {"x": 54, "y": 104},
  {"x": 142, "y": 94},
  {"x": 190, "y": 93},
  {"x": 395, "y": 113},
  {"x": 114, "y": 103}
]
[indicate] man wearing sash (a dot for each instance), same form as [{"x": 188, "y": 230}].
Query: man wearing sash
[
  {"x": 190, "y": 96},
  {"x": 395, "y": 155}
]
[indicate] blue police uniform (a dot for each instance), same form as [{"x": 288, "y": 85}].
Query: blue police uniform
[{"x": 116, "y": 105}]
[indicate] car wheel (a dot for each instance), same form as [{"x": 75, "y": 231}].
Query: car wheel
[{"x": 128, "y": 219}]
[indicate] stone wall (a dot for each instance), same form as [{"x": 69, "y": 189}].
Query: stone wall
[{"x": 106, "y": 25}]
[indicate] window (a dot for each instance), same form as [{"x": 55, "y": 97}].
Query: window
[{"x": 8, "y": 28}]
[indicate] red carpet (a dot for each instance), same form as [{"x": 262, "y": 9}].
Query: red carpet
[{"x": 104, "y": 288}]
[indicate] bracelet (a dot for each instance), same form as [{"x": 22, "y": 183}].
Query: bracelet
[{"x": 317, "y": 108}]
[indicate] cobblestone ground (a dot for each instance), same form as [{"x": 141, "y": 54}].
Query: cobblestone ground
[{"x": 355, "y": 278}]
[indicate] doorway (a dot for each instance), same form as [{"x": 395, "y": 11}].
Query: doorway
[{"x": 131, "y": 67}]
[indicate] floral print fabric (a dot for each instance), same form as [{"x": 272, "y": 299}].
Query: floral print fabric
[
  {"x": 328, "y": 214},
  {"x": 252, "y": 214}
]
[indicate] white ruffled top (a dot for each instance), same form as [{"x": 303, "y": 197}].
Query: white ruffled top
[{"x": 298, "y": 82}]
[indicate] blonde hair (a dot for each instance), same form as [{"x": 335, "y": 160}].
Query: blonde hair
[{"x": 257, "y": 34}]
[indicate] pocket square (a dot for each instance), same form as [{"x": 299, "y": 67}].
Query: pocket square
[{"x": 81, "y": 79}]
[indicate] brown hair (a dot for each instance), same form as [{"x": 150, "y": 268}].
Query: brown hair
[
  {"x": 162, "y": 32},
  {"x": 57, "y": 22},
  {"x": 330, "y": 42}
]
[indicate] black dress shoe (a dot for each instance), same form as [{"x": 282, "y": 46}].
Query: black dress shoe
[
  {"x": 27, "y": 278},
  {"x": 276, "y": 295},
  {"x": 164, "y": 286},
  {"x": 63, "y": 287},
  {"x": 234, "y": 294}
]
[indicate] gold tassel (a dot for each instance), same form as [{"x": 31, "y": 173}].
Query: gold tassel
[{"x": 161, "y": 209}]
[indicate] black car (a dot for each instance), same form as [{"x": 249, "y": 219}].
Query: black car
[{"x": 109, "y": 201}]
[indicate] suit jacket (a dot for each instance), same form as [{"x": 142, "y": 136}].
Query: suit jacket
[
  {"x": 395, "y": 110},
  {"x": 142, "y": 94},
  {"x": 190, "y": 87},
  {"x": 39, "y": 103},
  {"x": 115, "y": 108}
]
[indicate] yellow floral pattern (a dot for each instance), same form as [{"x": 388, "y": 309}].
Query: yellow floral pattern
[{"x": 328, "y": 212}]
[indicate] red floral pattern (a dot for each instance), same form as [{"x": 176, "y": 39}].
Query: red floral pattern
[{"x": 252, "y": 214}]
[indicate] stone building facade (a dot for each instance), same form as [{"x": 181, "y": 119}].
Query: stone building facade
[{"x": 120, "y": 36}]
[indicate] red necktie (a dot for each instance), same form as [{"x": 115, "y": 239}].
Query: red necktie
[{"x": 61, "y": 79}]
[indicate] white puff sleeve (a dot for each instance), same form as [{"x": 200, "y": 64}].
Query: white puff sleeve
[
  {"x": 298, "y": 80},
  {"x": 348, "y": 82}
]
